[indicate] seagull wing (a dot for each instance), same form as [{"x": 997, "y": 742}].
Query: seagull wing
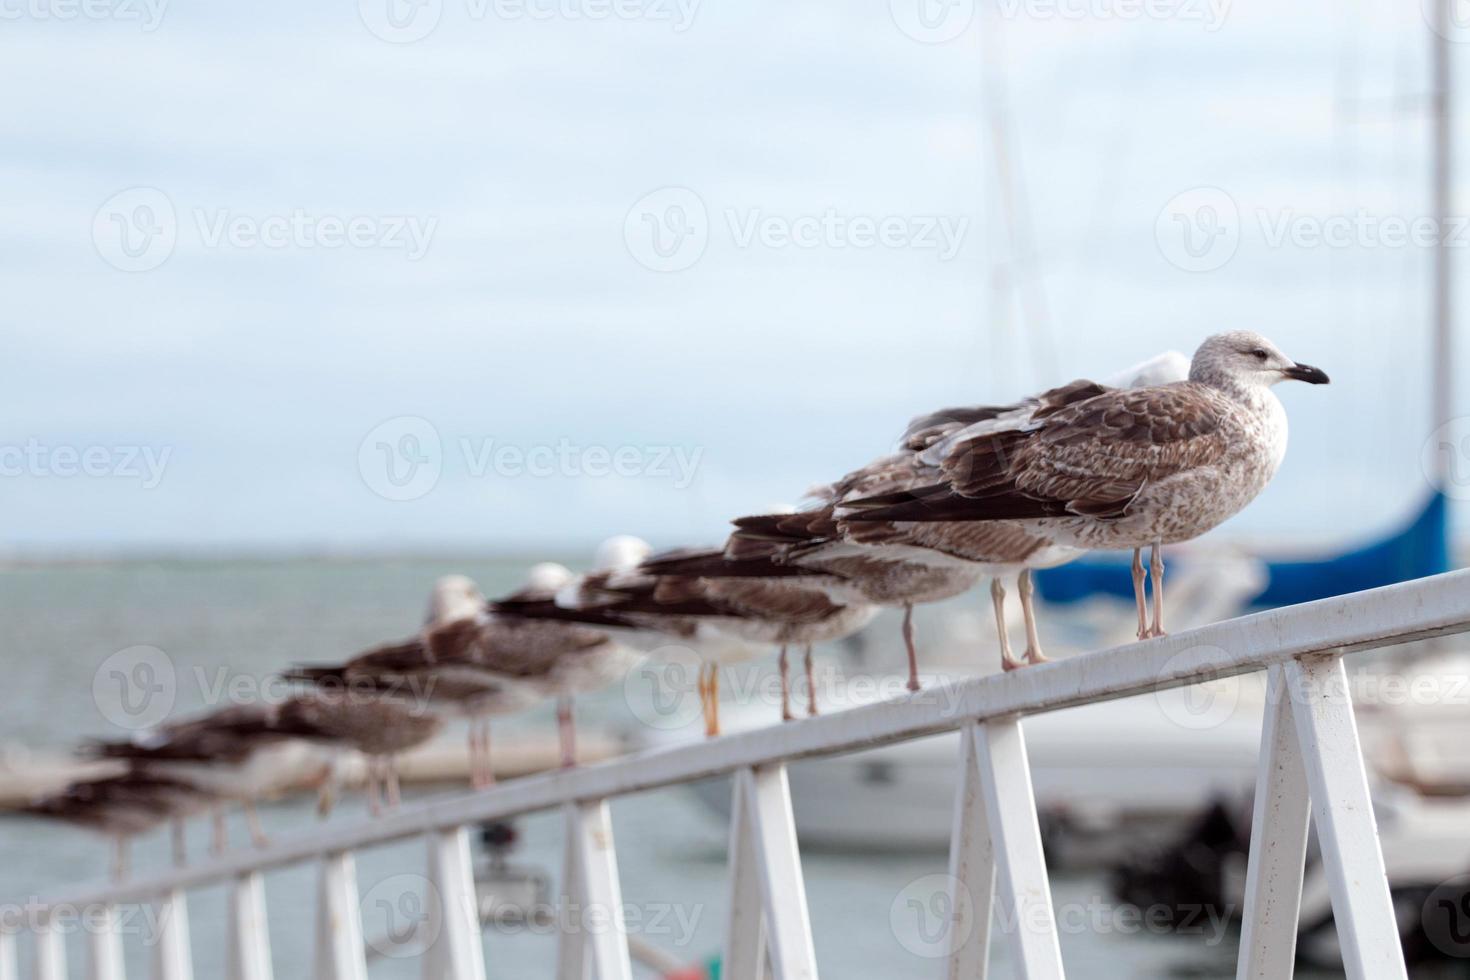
[{"x": 1090, "y": 458}]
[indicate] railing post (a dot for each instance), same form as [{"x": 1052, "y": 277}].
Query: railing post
[
  {"x": 1278, "y": 852},
  {"x": 172, "y": 958},
  {"x": 745, "y": 935},
  {"x": 454, "y": 950},
  {"x": 1015, "y": 837},
  {"x": 971, "y": 869},
  {"x": 106, "y": 954},
  {"x": 50, "y": 952},
  {"x": 248, "y": 944},
  {"x": 1342, "y": 809},
  {"x": 593, "y": 900},
  {"x": 9, "y": 967},
  {"x": 339, "y": 950},
  {"x": 766, "y": 797}
]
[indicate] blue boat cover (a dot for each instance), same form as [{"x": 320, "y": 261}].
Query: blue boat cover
[{"x": 1420, "y": 549}]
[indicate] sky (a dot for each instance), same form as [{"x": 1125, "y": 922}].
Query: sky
[{"x": 511, "y": 274}]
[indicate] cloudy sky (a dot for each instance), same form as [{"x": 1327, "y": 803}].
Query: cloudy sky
[{"x": 501, "y": 274}]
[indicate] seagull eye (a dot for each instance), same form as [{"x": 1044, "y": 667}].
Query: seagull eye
[{"x": 1260, "y": 354}]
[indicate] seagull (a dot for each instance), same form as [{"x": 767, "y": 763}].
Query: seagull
[
  {"x": 1129, "y": 468},
  {"x": 621, "y": 597},
  {"x": 904, "y": 564},
  {"x": 229, "y": 754},
  {"x": 381, "y": 727},
  {"x": 854, "y": 575},
  {"x": 409, "y": 669},
  {"x": 527, "y": 640},
  {"x": 756, "y": 600},
  {"x": 122, "y": 807}
]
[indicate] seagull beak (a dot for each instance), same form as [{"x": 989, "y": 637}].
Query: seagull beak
[{"x": 1307, "y": 373}]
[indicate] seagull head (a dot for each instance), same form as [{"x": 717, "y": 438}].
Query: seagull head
[
  {"x": 454, "y": 596},
  {"x": 1245, "y": 358},
  {"x": 620, "y": 553},
  {"x": 548, "y": 576}
]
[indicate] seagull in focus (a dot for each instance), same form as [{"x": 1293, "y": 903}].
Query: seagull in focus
[
  {"x": 896, "y": 563},
  {"x": 1132, "y": 468}
]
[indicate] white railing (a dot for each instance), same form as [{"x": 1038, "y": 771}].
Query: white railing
[{"x": 1311, "y": 769}]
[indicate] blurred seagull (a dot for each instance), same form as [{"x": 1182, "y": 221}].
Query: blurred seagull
[
  {"x": 380, "y": 727},
  {"x": 409, "y": 669},
  {"x": 528, "y": 642},
  {"x": 122, "y": 807},
  {"x": 757, "y": 600},
  {"x": 230, "y": 754},
  {"x": 619, "y": 596},
  {"x": 1124, "y": 468}
]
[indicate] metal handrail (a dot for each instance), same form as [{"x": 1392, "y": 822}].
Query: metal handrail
[{"x": 1381, "y": 617}]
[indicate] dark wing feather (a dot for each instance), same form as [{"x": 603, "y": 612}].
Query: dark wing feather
[{"x": 1090, "y": 458}]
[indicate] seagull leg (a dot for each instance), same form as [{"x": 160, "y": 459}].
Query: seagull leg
[
  {"x": 481, "y": 772},
  {"x": 1033, "y": 640},
  {"x": 472, "y": 747},
  {"x": 252, "y": 820},
  {"x": 786, "y": 714},
  {"x": 568, "y": 729},
  {"x": 998, "y": 600},
  {"x": 218, "y": 837},
  {"x": 811, "y": 685},
  {"x": 1138, "y": 593},
  {"x": 375, "y": 802},
  {"x": 326, "y": 791},
  {"x": 713, "y": 727},
  {"x": 485, "y": 754},
  {"x": 908, "y": 641},
  {"x": 390, "y": 780},
  {"x": 181, "y": 851},
  {"x": 1156, "y": 572},
  {"x": 119, "y": 857}
]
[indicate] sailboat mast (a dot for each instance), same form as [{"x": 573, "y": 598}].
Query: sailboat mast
[{"x": 1442, "y": 346}]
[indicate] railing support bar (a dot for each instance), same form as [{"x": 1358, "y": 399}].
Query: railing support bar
[
  {"x": 454, "y": 950},
  {"x": 1342, "y": 810},
  {"x": 1278, "y": 852},
  {"x": 248, "y": 945},
  {"x": 106, "y": 961},
  {"x": 50, "y": 961},
  {"x": 172, "y": 956},
  {"x": 788, "y": 926},
  {"x": 339, "y": 950},
  {"x": 971, "y": 870},
  {"x": 592, "y": 920},
  {"x": 1010, "y": 809},
  {"x": 745, "y": 936}
]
